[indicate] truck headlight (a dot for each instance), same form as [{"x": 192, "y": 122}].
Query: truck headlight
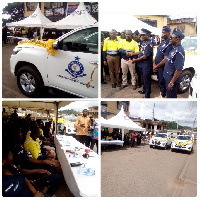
[{"x": 16, "y": 50}]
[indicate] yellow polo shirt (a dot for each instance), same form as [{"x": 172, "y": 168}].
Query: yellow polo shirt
[{"x": 129, "y": 46}]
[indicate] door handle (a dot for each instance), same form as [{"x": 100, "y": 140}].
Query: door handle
[{"x": 94, "y": 62}]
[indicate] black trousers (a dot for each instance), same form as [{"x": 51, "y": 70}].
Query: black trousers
[
  {"x": 133, "y": 142},
  {"x": 81, "y": 138}
]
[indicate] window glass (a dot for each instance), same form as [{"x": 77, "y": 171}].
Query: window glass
[{"x": 82, "y": 41}]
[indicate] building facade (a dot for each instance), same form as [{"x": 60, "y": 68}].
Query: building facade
[
  {"x": 188, "y": 26},
  {"x": 157, "y": 21},
  {"x": 58, "y": 10}
]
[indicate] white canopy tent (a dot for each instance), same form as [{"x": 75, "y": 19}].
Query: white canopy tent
[
  {"x": 40, "y": 106},
  {"x": 80, "y": 17},
  {"x": 121, "y": 22},
  {"x": 37, "y": 20},
  {"x": 122, "y": 121}
]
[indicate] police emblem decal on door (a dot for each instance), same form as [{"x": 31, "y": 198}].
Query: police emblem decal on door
[{"x": 75, "y": 68}]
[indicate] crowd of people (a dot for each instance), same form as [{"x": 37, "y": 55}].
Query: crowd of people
[
  {"x": 30, "y": 33},
  {"x": 129, "y": 58},
  {"x": 129, "y": 138},
  {"x": 29, "y": 163}
]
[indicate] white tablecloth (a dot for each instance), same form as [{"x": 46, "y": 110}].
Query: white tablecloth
[
  {"x": 112, "y": 142},
  {"x": 79, "y": 185}
]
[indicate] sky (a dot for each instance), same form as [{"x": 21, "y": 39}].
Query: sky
[
  {"x": 80, "y": 105},
  {"x": 183, "y": 112}
]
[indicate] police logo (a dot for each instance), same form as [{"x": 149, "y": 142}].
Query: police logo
[{"x": 75, "y": 68}]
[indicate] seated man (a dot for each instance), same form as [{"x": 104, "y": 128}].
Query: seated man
[
  {"x": 33, "y": 148},
  {"x": 43, "y": 175}
]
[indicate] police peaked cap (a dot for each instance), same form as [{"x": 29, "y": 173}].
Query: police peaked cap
[
  {"x": 166, "y": 29},
  {"x": 136, "y": 32},
  {"x": 145, "y": 31},
  {"x": 178, "y": 32}
]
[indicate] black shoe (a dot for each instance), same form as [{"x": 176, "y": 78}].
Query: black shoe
[
  {"x": 104, "y": 82},
  {"x": 123, "y": 86},
  {"x": 134, "y": 87},
  {"x": 114, "y": 85},
  {"x": 118, "y": 85},
  {"x": 142, "y": 92}
]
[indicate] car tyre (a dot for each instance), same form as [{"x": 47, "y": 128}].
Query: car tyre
[
  {"x": 150, "y": 146},
  {"x": 29, "y": 81},
  {"x": 191, "y": 151},
  {"x": 186, "y": 77},
  {"x": 172, "y": 150}
]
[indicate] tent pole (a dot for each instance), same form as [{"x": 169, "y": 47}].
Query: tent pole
[
  {"x": 56, "y": 116},
  {"x": 122, "y": 134}
]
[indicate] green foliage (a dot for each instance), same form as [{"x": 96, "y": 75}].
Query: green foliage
[
  {"x": 69, "y": 112},
  {"x": 173, "y": 125},
  {"x": 16, "y": 10}
]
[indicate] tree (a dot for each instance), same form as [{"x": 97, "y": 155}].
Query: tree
[{"x": 15, "y": 10}]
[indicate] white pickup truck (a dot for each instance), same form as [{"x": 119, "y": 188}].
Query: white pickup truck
[
  {"x": 162, "y": 140},
  {"x": 183, "y": 142},
  {"x": 69, "y": 64},
  {"x": 190, "y": 66}
]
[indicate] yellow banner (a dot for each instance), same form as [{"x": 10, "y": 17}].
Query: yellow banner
[
  {"x": 184, "y": 143},
  {"x": 46, "y": 44}
]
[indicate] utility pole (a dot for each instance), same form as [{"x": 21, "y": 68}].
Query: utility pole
[
  {"x": 194, "y": 124},
  {"x": 153, "y": 111},
  {"x": 153, "y": 120}
]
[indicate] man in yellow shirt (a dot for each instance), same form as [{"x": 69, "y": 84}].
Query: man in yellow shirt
[
  {"x": 82, "y": 124},
  {"x": 111, "y": 54},
  {"x": 128, "y": 49},
  {"x": 31, "y": 143}
]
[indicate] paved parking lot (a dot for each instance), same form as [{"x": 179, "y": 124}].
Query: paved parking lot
[{"x": 147, "y": 172}]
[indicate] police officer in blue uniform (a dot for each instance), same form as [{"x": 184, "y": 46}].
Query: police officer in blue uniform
[
  {"x": 162, "y": 53},
  {"x": 145, "y": 62},
  {"x": 174, "y": 64}
]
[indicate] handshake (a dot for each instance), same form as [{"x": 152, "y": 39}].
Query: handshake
[{"x": 129, "y": 54}]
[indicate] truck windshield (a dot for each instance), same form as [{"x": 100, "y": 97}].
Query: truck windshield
[
  {"x": 70, "y": 118},
  {"x": 161, "y": 135},
  {"x": 183, "y": 137},
  {"x": 189, "y": 44}
]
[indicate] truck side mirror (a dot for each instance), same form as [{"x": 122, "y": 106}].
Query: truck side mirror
[{"x": 55, "y": 45}]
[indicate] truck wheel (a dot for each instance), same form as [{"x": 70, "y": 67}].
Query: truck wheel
[
  {"x": 29, "y": 81},
  {"x": 191, "y": 151},
  {"x": 183, "y": 86}
]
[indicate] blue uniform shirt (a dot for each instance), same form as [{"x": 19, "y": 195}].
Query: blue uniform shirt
[
  {"x": 15, "y": 185},
  {"x": 175, "y": 61},
  {"x": 163, "y": 50},
  {"x": 147, "y": 50}
]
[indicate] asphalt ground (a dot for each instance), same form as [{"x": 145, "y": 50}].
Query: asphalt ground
[
  {"x": 147, "y": 172},
  {"x": 9, "y": 82},
  {"x": 108, "y": 92}
]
